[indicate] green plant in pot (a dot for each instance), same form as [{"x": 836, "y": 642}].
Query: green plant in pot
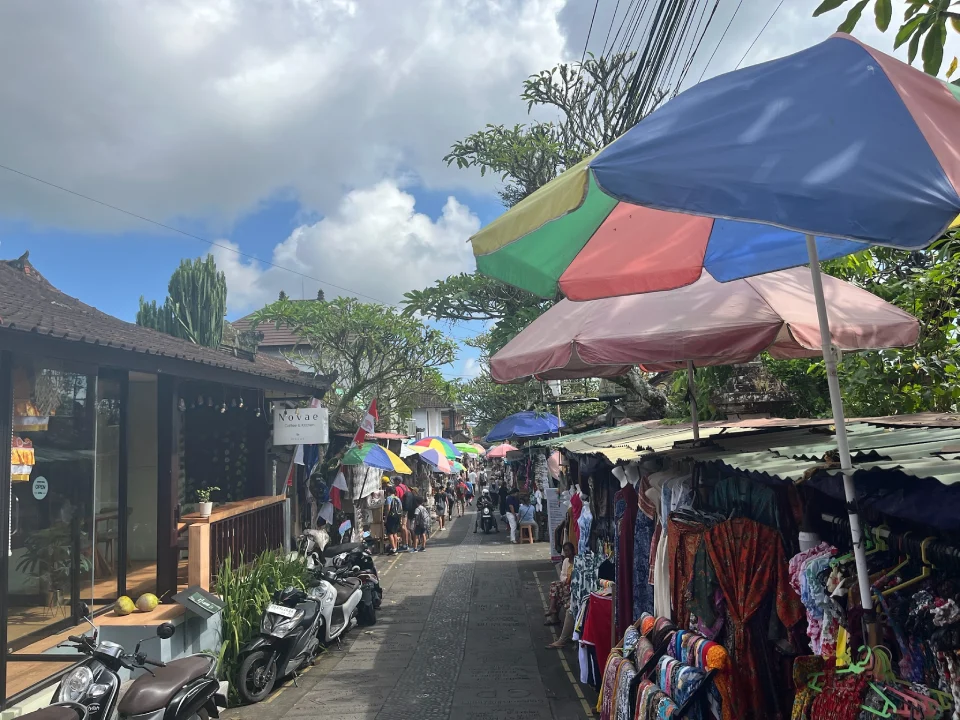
[
  {"x": 48, "y": 556},
  {"x": 203, "y": 498}
]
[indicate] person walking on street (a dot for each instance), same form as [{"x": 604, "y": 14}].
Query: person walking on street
[
  {"x": 513, "y": 507},
  {"x": 472, "y": 489},
  {"x": 440, "y": 503},
  {"x": 451, "y": 500},
  {"x": 421, "y": 523},
  {"x": 392, "y": 513},
  {"x": 461, "y": 494},
  {"x": 502, "y": 494},
  {"x": 409, "y": 508}
]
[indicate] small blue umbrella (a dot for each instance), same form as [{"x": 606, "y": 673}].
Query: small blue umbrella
[{"x": 525, "y": 424}]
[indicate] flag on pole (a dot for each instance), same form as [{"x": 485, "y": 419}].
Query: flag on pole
[{"x": 367, "y": 425}]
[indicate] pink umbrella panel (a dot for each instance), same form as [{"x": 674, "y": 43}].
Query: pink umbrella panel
[
  {"x": 706, "y": 323},
  {"x": 500, "y": 451}
]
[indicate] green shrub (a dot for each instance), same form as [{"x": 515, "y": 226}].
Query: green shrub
[{"x": 246, "y": 590}]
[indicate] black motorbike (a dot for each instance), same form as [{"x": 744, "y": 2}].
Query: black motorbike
[
  {"x": 355, "y": 560},
  {"x": 289, "y": 640},
  {"x": 487, "y": 521},
  {"x": 185, "y": 689}
]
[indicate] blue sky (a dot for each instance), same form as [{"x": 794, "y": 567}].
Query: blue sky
[{"x": 112, "y": 270}]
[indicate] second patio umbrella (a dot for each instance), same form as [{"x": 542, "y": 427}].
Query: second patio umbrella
[
  {"x": 525, "y": 424},
  {"x": 707, "y": 323}
]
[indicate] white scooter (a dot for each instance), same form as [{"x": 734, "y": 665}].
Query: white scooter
[{"x": 339, "y": 598}]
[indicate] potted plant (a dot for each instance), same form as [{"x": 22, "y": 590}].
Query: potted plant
[
  {"x": 48, "y": 556},
  {"x": 203, "y": 498}
]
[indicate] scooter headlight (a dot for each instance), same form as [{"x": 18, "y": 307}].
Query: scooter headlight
[
  {"x": 98, "y": 690},
  {"x": 76, "y": 684},
  {"x": 279, "y": 626}
]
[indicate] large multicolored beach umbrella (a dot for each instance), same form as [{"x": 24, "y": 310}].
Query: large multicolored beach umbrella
[
  {"x": 812, "y": 156},
  {"x": 839, "y": 141},
  {"x": 375, "y": 456},
  {"x": 441, "y": 444}
]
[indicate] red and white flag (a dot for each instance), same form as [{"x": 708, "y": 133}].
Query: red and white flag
[{"x": 367, "y": 425}]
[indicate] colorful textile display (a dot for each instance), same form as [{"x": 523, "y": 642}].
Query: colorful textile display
[
  {"x": 751, "y": 566},
  {"x": 596, "y": 628},
  {"x": 643, "y": 532},
  {"x": 625, "y": 516}
]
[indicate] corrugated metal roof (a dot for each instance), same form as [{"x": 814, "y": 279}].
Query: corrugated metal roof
[{"x": 779, "y": 450}]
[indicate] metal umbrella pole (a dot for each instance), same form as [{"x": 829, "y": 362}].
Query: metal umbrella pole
[
  {"x": 830, "y": 354},
  {"x": 692, "y": 392}
]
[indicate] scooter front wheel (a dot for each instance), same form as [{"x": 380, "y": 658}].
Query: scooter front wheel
[{"x": 256, "y": 678}]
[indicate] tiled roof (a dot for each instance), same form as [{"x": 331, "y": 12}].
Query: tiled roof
[
  {"x": 30, "y": 304},
  {"x": 273, "y": 337}
]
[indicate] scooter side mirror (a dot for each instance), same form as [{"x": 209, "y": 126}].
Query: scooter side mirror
[
  {"x": 166, "y": 630},
  {"x": 84, "y": 610}
]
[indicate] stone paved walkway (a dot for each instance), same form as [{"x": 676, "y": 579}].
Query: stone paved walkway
[{"x": 460, "y": 635}]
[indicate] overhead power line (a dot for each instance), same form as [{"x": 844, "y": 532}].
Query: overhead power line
[
  {"x": 177, "y": 230},
  {"x": 775, "y": 11},
  {"x": 725, "y": 31},
  {"x": 596, "y": 4}
]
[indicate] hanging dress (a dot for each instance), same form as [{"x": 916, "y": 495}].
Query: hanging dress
[{"x": 626, "y": 522}]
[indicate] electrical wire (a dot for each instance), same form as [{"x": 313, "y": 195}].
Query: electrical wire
[
  {"x": 725, "y": 30},
  {"x": 185, "y": 233},
  {"x": 613, "y": 19},
  {"x": 596, "y": 4},
  {"x": 775, "y": 11}
]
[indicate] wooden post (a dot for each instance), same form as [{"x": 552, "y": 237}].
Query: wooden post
[
  {"x": 198, "y": 564},
  {"x": 168, "y": 486}
]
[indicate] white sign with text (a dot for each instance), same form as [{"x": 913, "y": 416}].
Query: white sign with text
[{"x": 300, "y": 426}]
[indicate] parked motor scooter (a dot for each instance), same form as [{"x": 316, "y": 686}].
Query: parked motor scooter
[
  {"x": 355, "y": 560},
  {"x": 288, "y": 642},
  {"x": 184, "y": 689}
]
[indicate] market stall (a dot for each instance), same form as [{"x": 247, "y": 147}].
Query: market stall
[{"x": 720, "y": 575}]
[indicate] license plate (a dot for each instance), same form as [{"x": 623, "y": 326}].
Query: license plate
[{"x": 281, "y": 610}]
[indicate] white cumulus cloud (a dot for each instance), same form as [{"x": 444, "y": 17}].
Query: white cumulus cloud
[{"x": 375, "y": 242}]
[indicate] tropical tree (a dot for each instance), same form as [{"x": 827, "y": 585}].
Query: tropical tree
[
  {"x": 595, "y": 101},
  {"x": 195, "y": 306},
  {"x": 923, "y": 20},
  {"x": 371, "y": 350}
]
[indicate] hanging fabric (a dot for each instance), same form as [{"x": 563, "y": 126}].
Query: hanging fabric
[{"x": 625, "y": 516}]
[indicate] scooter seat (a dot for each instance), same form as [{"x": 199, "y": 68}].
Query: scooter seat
[
  {"x": 334, "y": 550},
  {"x": 54, "y": 712},
  {"x": 346, "y": 588},
  {"x": 149, "y": 693}
]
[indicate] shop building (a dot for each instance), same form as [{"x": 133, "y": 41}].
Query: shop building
[{"x": 113, "y": 429}]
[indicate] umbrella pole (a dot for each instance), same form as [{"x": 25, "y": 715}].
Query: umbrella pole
[
  {"x": 836, "y": 402},
  {"x": 692, "y": 392}
]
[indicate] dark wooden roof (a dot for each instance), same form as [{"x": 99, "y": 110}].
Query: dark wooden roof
[{"x": 31, "y": 307}]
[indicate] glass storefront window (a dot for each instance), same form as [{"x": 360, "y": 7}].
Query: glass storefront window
[
  {"x": 51, "y": 541},
  {"x": 142, "y": 484},
  {"x": 106, "y": 503}
]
